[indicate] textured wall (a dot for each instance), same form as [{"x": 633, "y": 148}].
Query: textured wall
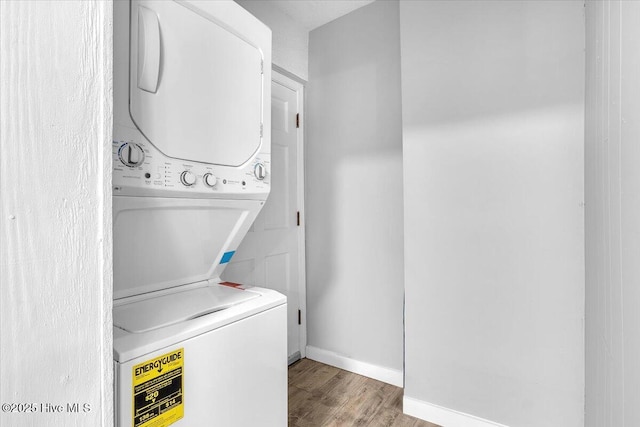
[
  {"x": 354, "y": 188},
  {"x": 55, "y": 213},
  {"x": 493, "y": 117},
  {"x": 612, "y": 191}
]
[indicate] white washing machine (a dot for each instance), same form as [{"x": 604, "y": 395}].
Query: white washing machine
[{"x": 191, "y": 170}]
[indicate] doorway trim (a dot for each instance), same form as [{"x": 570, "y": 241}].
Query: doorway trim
[{"x": 297, "y": 85}]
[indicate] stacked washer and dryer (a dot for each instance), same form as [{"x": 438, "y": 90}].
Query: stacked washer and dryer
[{"x": 191, "y": 170}]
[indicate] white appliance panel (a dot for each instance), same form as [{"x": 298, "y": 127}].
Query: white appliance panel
[
  {"x": 128, "y": 346},
  {"x": 161, "y": 176},
  {"x": 233, "y": 376},
  {"x": 195, "y": 84},
  {"x": 160, "y": 243},
  {"x": 144, "y": 315}
]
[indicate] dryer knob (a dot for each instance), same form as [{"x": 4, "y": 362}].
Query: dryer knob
[
  {"x": 209, "y": 179},
  {"x": 260, "y": 171},
  {"x": 187, "y": 178},
  {"x": 131, "y": 155}
]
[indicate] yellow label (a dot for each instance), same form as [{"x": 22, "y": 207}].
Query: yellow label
[{"x": 158, "y": 390}]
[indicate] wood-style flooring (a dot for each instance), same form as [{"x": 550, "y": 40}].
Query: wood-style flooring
[{"x": 321, "y": 395}]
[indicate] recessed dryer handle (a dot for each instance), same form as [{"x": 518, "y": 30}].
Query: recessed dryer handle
[{"x": 148, "y": 49}]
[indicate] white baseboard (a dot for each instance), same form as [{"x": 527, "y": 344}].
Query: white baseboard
[
  {"x": 444, "y": 417},
  {"x": 380, "y": 373}
]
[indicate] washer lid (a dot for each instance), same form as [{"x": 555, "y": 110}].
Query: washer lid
[
  {"x": 196, "y": 85},
  {"x": 169, "y": 309},
  {"x": 161, "y": 243}
]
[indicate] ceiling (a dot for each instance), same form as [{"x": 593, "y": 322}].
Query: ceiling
[{"x": 311, "y": 14}]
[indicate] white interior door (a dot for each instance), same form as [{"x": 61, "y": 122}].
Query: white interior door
[{"x": 272, "y": 253}]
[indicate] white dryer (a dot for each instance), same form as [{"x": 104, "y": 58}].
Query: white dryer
[{"x": 191, "y": 170}]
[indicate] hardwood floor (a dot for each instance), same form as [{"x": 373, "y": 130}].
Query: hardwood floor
[{"x": 321, "y": 395}]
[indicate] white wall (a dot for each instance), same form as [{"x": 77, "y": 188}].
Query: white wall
[
  {"x": 290, "y": 39},
  {"x": 55, "y": 226},
  {"x": 493, "y": 103},
  {"x": 612, "y": 191},
  {"x": 354, "y": 192}
]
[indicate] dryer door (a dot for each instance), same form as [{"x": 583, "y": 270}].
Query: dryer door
[{"x": 195, "y": 86}]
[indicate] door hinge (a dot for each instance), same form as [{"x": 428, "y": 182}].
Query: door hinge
[
  {"x": 298, "y": 120},
  {"x": 299, "y": 317},
  {"x": 261, "y": 66},
  {"x": 261, "y": 130},
  {"x": 298, "y": 218}
]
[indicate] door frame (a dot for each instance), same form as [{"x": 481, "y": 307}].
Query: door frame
[{"x": 296, "y": 84}]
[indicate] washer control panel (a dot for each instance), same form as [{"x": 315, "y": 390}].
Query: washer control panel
[{"x": 140, "y": 169}]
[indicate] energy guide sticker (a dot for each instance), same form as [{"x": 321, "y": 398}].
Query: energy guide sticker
[{"x": 158, "y": 390}]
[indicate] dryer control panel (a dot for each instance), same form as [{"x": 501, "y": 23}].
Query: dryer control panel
[{"x": 140, "y": 169}]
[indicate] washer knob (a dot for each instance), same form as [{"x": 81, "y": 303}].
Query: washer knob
[
  {"x": 209, "y": 179},
  {"x": 260, "y": 171},
  {"x": 187, "y": 178},
  {"x": 131, "y": 154}
]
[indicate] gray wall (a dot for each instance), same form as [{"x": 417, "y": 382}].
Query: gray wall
[
  {"x": 612, "y": 191},
  {"x": 354, "y": 187},
  {"x": 493, "y": 107}
]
